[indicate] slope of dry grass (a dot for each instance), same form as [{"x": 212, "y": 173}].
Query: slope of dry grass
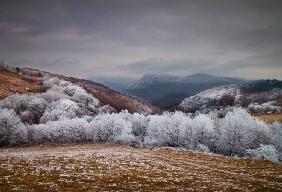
[
  {"x": 11, "y": 83},
  {"x": 124, "y": 168},
  {"x": 105, "y": 95}
]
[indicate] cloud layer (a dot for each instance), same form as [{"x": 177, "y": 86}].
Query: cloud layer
[{"x": 130, "y": 37}]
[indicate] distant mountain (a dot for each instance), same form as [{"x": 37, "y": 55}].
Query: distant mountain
[
  {"x": 151, "y": 80},
  {"x": 115, "y": 83},
  {"x": 261, "y": 85},
  {"x": 167, "y": 91}
]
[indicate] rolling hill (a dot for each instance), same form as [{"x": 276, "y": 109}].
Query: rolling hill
[
  {"x": 260, "y": 97},
  {"x": 27, "y": 80}
]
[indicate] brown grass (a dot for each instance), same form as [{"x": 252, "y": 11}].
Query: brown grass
[
  {"x": 11, "y": 83},
  {"x": 279, "y": 101},
  {"x": 124, "y": 168},
  {"x": 269, "y": 117}
]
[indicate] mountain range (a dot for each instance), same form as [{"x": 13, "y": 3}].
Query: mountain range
[{"x": 167, "y": 91}]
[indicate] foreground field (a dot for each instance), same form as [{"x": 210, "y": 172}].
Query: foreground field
[{"x": 124, "y": 168}]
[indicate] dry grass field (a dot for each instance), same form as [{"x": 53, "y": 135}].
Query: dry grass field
[
  {"x": 123, "y": 168},
  {"x": 269, "y": 117}
]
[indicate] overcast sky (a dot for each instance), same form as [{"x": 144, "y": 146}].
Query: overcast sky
[{"x": 128, "y": 38}]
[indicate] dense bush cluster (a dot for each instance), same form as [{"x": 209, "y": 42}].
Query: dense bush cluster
[
  {"x": 268, "y": 107},
  {"x": 264, "y": 152},
  {"x": 66, "y": 113}
]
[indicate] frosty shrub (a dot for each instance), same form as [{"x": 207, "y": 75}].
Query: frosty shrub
[
  {"x": 166, "y": 130},
  {"x": 264, "y": 152},
  {"x": 29, "y": 107},
  {"x": 203, "y": 127},
  {"x": 263, "y": 108},
  {"x": 276, "y": 137},
  {"x": 62, "y": 109},
  {"x": 238, "y": 131},
  {"x": 202, "y": 148},
  {"x": 63, "y": 131},
  {"x": 139, "y": 123},
  {"x": 12, "y": 130},
  {"x": 110, "y": 128},
  {"x": 61, "y": 100}
]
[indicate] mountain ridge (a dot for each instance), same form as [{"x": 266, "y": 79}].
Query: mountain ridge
[{"x": 195, "y": 78}]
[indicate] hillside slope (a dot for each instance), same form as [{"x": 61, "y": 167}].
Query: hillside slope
[
  {"x": 24, "y": 80},
  {"x": 124, "y": 168},
  {"x": 11, "y": 82},
  {"x": 262, "y": 98}
]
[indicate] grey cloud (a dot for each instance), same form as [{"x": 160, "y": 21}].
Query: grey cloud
[
  {"x": 116, "y": 37},
  {"x": 156, "y": 65}
]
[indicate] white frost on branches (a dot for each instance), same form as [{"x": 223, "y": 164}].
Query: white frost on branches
[{"x": 66, "y": 113}]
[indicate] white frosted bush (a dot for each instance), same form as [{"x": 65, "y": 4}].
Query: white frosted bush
[
  {"x": 12, "y": 130},
  {"x": 139, "y": 123},
  {"x": 203, "y": 127},
  {"x": 238, "y": 131},
  {"x": 269, "y": 107},
  {"x": 202, "y": 148},
  {"x": 264, "y": 152},
  {"x": 276, "y": 137},
  {"x": 105, "y": 109},
  {"x": 63, "y": 131},
  {"x": 66, "y": 113},
  {"x": 52, "y": 95},
  {"x": 111, "y": 128},
  {"x": 166, "y": 129},
  {"x": 29, "y": 107},
  {"x": 61, "y": 109},
  {"x": 50, "y": 82}
]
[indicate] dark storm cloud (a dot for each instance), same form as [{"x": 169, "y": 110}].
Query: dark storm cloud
[{"x": 131, "y": 37}]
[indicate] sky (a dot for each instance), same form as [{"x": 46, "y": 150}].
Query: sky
[{"x": 129, "y": 38}]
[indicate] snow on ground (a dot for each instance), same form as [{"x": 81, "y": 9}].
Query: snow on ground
[{"x": 123, "y": 168}]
